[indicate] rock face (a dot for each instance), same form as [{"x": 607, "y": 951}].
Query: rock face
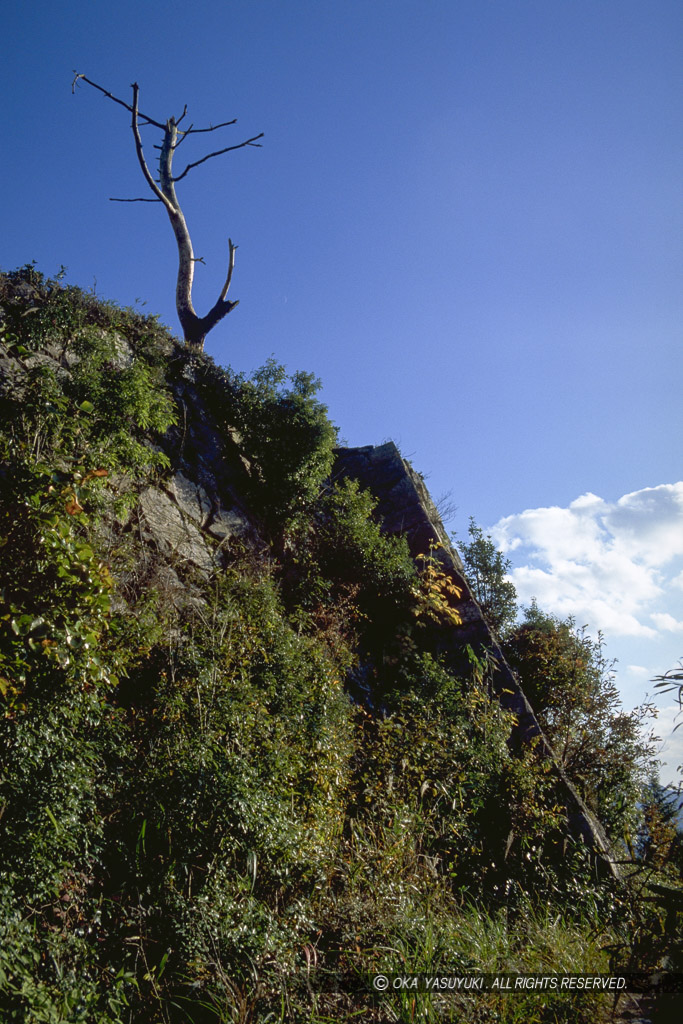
[
  {"x": 201, "y": 510},
  {"x": 174, "y": 529}
]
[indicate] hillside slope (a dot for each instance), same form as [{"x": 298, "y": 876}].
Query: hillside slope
[{"x": 258, "y": 740}]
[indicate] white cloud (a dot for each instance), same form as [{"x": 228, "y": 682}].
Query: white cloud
[
  {"x": 650, "y": 523},
  {"x": 615, "y": 567},
  {"x": 611, "y": 565},
  {"x": 663, "y": 620},
  {"x": 639, "y": 672}
]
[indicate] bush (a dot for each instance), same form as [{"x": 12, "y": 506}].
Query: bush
[{"x": 281, "y": 428}]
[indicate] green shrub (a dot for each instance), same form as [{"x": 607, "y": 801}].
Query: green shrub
[
  {"x": 281, "y": 427},
  {"x": 340, "y": 550},
  {"x": 47, "y": 314}
]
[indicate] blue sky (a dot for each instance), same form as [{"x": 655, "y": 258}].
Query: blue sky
[{"x": 466, "y": 219}]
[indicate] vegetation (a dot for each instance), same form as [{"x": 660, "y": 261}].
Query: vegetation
[
  {"x": 604, "y": 750},
  {"x": 487, "y": 571},
  {"x": 234, "y": 805}
]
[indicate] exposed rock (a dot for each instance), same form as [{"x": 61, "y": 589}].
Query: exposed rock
[
  {"x": 53, "y": 362},
  {"x": 227, "y": 524},
  {"x": 25, "y": 292},
  {"x": 191, "y": 498},
  {"x": 211, "y": 477},
  {"x": 124, "y": 354},
  {"x": 173, "y": 535},
  {"x": 185, "y": 524}
]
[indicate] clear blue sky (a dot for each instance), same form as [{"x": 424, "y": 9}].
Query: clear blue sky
[{"x": 466, "y": 217}]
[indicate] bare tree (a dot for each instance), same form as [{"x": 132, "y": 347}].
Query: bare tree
[{"x": 195, "y": 328}]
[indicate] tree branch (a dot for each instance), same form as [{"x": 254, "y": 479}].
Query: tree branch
[
  {"x": 112, "y": 199},
  {"x": 111, "y": 96},
  {"x": 183, "y": 136},
  {"x": 211, "y": 128},
  {"x": 141, "y": 156},
  {"x": 231, "y": 267},
  {"x": 219, "y": 152}
]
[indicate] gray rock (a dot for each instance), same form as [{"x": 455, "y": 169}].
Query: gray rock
[
  {"x": 226, "y": 524},
  {"x": 26, "y": 292},
  {"x": 124, "y": 354},
  {"x": 191, "y": 498},
  {"x": 43, "y": 359},
  {"x": 172, "y": 533}
]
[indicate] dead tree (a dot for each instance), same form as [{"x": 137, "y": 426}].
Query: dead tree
[{"x": 195, "y": 328}]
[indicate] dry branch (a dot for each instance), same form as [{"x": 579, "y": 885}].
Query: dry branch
[
  {"x": 77, "y": 78},
  {"x": 219, "y": 152}
]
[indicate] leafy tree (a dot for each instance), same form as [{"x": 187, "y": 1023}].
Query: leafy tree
[
  {"x": 672, "y": 681},
  {"x": 660, "y": 845},
  {"x": 571, "y": 687},
  {"x": 285, "y": 433},
  {"x": 486, "y": 570}
]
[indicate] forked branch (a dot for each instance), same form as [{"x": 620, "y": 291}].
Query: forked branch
[{"x": 195, "y": 328}]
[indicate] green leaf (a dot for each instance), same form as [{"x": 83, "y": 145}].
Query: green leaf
[{"x": 52, "y": 818}]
